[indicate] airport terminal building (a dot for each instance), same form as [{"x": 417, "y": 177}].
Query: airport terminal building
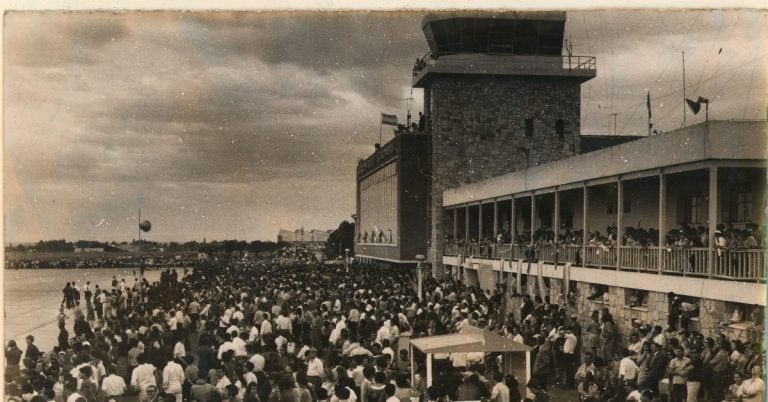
[{"x": 515, "y": 192}]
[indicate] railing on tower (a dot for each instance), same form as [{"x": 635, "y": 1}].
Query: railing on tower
[{"x": 565, "y": 62}]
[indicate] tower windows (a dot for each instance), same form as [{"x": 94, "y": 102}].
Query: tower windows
[
  {"x": 529, "y": 127},
  {"x": 560, "y": 129}
]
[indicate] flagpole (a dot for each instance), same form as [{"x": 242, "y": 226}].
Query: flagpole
[
  {"x": 138, "y": 252},
  {"x": 684, "y": 111},
  {"x": 380, "y": 124},
  {"x": 648, "y": 103}
]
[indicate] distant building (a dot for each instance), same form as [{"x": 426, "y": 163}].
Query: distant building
[
  {"x": 89, "y": 249},
  {"x": 392, "y": 200},
  {"x": 300, "y": 236}
]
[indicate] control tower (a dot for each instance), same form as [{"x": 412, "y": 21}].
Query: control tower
[{"x": 500, "y": 94}]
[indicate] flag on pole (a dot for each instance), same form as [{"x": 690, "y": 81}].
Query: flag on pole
[{"x": 389, "y": 119}]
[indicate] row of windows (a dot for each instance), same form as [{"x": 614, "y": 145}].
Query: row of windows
[
  {"x": 559, "y": 128},
  {"x": 737, "y": 208}
]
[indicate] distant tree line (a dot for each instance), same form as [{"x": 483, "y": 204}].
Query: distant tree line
[
  {"x": 341, "y": 239},
  {"x": 215, "y": 247}
]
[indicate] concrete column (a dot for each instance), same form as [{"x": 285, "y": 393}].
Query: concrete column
[
  {"x": 713, "y": 215},
  {"x": 619, "y": 219},
  {"x": 662, "y": 217},
  {"x": 455, "y": 224},
  {"x": 556, "y": 217},
  {"x": 429, "y": 369},
  {"x": 513, "y": 221},
  {"x": 466, "y": 223},
  {"x": 495, "y": 219},
  {"x": 584, "y": 220},
  {"x": 479, "y": 222},
  {"x": 533, "y": 215}
]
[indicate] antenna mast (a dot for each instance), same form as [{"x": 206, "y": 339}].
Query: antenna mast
[{"x": 408, "y": 107}]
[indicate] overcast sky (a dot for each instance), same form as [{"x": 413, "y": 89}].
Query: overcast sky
[{"x": 233, "y": 125}]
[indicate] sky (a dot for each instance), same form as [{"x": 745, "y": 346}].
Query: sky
[{"x": 232, "y": 125}]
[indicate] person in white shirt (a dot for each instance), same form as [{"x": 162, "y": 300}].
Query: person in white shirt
[
  {"x": 179, "y": 350},
  {"x": 253, "y": 335},
  {"x": 248, "y": 376},
  {"x": 384, "y": 332},
  {"x": 387, "y": 350},
  {"x": 258, "y": 362},
  {"x": 173, "y": 378},
  {"x": 225, "y": 346},
  {"x": 752, "y": 389},
  {"x": 75, "y": 372},
  {"x": 238, "y": 315},
  {"x": 569, "y": 356},
  {"x": 500, "y": 391},
  {"x": 113, "y": 385},
  {"x": 627, "y": 367},
  {"x": 284, "y": 324},
  {"x": 266, "y": 325},
  {"x": 302, "y": 352},
  {"x": 315, "y": 368},
  {"x": 143, "y": 376},
  {"x": 172, "y": 321},
  {"x": 222, "y": 382},
  {"x": 240, "y": 345}
]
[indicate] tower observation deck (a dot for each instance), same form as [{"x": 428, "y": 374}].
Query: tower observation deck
[{"x": 511, "y": 43}]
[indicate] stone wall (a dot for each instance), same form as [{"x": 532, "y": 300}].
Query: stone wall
[
  {"x": 478, "y": 131},
  {"x": 654, "y": 312}
]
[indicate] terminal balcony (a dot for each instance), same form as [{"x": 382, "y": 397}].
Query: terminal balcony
[
  {"x": 687, "y": 203},
  {"x": 730, "y": 264},
  {"x": 582, "y": 68}
]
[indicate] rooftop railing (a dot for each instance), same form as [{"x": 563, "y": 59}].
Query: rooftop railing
[{"x": 565, "y": 62}]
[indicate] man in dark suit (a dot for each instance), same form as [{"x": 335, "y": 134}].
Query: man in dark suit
[{"x": 655, "y": 370}]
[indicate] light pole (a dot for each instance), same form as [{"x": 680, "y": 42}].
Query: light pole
[
  {"x": 419, "y": 259},
  {"x": 144, "y": 226},
  {"x": 346, "y": 259}
]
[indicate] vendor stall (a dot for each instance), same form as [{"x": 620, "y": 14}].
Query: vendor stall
[{"x": 516, "y": 357}]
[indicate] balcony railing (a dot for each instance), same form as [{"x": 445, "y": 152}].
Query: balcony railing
[
  {"x": 600, "y": 256},
  {"x": 686, "y": 261},
  {"x": 639, "y": 258},
  {"x": 739, "y": 264}
]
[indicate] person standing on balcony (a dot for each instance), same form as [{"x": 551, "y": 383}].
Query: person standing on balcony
[
  {"x": 721, "y": 243},
  {"x": 749, "y": 239}
]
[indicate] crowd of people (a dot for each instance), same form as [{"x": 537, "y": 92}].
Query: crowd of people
[
  {"x": 299, "y": 253},
  {"x": 261, "y": 331},
  {"x": 727, "y": 238}
]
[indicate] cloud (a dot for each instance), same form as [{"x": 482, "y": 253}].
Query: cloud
[
  {"x": 234, "y": 124},
  {"x": 34, "y": 38}
]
